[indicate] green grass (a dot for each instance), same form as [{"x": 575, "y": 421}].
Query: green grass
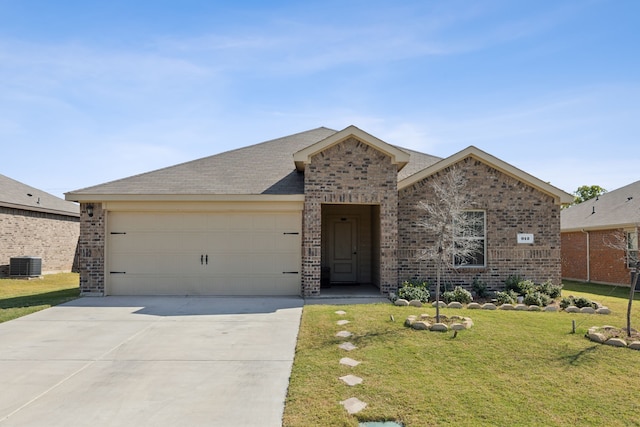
[
  {"x": 21, "y": 297},
  {"x": 511, "y": 368}
]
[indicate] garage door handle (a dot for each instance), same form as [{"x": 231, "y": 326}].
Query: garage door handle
[
  {"x": 118, "y": 272},
  {"x": 206, "y": 259},
  {"x": 201, "y": 259}
]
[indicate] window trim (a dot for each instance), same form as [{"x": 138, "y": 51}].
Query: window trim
[
  {"x": 631, "y": 238},
  {"x": 484, "y": 243}
]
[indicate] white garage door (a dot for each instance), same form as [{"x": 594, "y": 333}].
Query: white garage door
[{"x": 234, "y": 253}]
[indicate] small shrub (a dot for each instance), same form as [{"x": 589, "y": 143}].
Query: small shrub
[
  {"x": 521, "y": 286},
  {"x": 506, "y": 297},
  {"x": 414, "y": 290},
  {"x": 459, "y": 294},
  {"x": 511, "y": 284},
  {"x": 548, "y": 288},
  {"x": 480, "y": 288},
  {"x": 578, "y": 302},
  {"x": 536, "y": 298}
]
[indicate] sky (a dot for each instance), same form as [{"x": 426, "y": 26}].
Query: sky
[{"x": 93, "y": 91}]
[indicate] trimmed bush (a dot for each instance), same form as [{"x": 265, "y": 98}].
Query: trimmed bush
[
  {"x": 459, "y": 294},
  {"x": 550, "y": 289},
  {"x": 536, "y": 298},
  {"x": 480, "y": 288},
  {"x": 506, "y": 297},
  {"x": 414, "y": 290},
  {"x": 578, "y": 302}
]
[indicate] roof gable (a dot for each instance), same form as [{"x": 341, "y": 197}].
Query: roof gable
[
  {"x": 616, "y": 209},
  {"x": 558, "y": 195},
  {"x": 303, "y": 157},
  {"x": 14, "y": 194}
]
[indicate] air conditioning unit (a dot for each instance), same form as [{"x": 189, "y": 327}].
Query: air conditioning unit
[{"x": 25, "y": 266}]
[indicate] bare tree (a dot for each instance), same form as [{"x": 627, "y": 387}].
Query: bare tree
[
  {"x": 620, "y": 242},
  {"x": 454, "y": 227}
]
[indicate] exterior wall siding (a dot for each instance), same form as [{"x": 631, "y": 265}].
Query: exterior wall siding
[
  {"x": 350, "y": 172},
  {"x": 91, "y": 250},
  {"x": 606, "y": 264},
  {"x": 52, "y": 237},
  {"x": 510, "y": 206}
]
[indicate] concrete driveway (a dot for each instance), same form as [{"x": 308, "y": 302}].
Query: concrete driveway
[{"x": 149, "y": 361}]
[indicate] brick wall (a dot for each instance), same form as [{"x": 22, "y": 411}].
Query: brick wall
[
  {"x": 91, "y": 250},
  {"x": 607, "y": 261},
  {"x": 52, "y": 237},
  {"x": 350, "y": 172},
  {"x": 510, "y": 206}
]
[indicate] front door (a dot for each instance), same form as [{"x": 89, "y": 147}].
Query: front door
[{"x": 343, "y": 249}]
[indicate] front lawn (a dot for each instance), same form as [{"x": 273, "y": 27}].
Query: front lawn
[
  {"x": 21, "y": 297},
  {"x": 511, "y": 368}
]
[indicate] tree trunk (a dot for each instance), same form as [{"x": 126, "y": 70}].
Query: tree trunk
[
  {"x": 438, "y": 293},
  {"x": 632, "y": 292}
]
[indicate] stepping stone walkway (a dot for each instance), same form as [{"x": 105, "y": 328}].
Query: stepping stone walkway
[{"x": 352, "y": 405}]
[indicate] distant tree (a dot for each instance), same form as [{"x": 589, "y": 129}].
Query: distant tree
[
  {"x": 453, "y": 226},
  {"x": 587, "y": 192}
]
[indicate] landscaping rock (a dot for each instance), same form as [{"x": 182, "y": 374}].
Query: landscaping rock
[
  {"x": 521, "y": 307},
  {"x": 347, "y": 346},
  {"x": 458, "y": 327},
  {"x": 572, "y": 309},
  {"x": 588, "y": 310},
  {"x": 351, "y": 380},
  {"x": 468, "y": 324},
  {"x": 456, "y": 317},
  {"x": 616, "y": 342},
  {"x": 534, "y": 307},
  {"x": 596, "y": 337},
  {"x": 421, "y": 326},
  {"x": 341, "y": 312},
  {"x": 603, "y": 310},
  {"x": 474, "y": 306},
  {"x": 349, "y": 362},
  {"x": 634, "y": 345},
  {"x": 454, "y": 304},
  {"x": 344, "y": 334},
  {"x": 439, "y": 327},
  {"x": 507, "y": 307},
  {"x": 489, "y": 306},
  {"x": 401, "y": 302},
  {"x": 415, "y": 303},
  {"x": 440, "y": 303},
  {"x": 409, "y": 320},
  {"x": 353, "y": 405},
  {"x": 424, "y": 316},
  {"x": 551, "y": 308}
]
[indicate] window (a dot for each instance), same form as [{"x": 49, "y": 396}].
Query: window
[
  {"x": 632, "y": 248},
  {"x": 472, "y": 237}
]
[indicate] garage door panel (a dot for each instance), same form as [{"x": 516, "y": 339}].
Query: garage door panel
[{"x": 243, "y": 253}]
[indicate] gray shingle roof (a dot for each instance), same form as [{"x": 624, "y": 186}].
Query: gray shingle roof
[
  {"x": 617, "y": 208},
  {"x": 265, "y": 168},
  {"x": 15, "y": 194}
]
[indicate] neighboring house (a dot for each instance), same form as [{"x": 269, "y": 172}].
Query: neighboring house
[
  {"x": 36, "y": 224},
  {"x": 273, "y": 218},
  {"x": 600, "y": 237}
]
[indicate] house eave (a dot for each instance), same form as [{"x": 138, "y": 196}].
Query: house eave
[
  {"x": 96, "y": 197},
  {"x": 40, "y": 209},
  {"x": 605, "y": 227}
]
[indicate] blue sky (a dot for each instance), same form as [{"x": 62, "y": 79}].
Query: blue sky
[{"x": 94, "y": 91}]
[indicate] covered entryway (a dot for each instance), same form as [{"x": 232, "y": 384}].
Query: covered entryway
[
  {"x": 350, "y": 244},
  {"x": 203, "y": 253}
]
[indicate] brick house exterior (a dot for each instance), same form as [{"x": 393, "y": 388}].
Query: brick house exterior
[
  {"x": 35, "y": 223},
  {"x": 600, "y": 237},
  {"x": 355, "y": 197}
]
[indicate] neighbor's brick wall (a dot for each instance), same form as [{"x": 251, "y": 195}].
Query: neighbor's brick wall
[
  {"x": 356, "y": 173},
  {"x": 91, "y": 250},
  {"x": 52, "y": 237},
  {"x": 511, "y": 207},
  {"x": 607, "y": 264},
  {"x": 574, "y": 256}
]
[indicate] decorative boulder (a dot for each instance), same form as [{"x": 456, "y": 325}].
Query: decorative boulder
[
  {"x": 603, "y": 310},
  {"x": 468, "y": 323},
  {"x": 456, "y": 317},
  {"x": 507, "y": 307},
  {"x": 439, "y": 303},
  {"x": 597, "y": 337},
  {"x": 572, "y": 309},
  {"x": 634, "y": 345},
  {"x": 521, "y": 307},
  {"x": 401, "y": 302},
  {"x": 474, "y": 306},
  {"x": 489, "y": 306},
  {"x": 424, "y": 316},
  {"x": 458, "y": 327},
  {"x": 551, "y": 308},
  {"x": 454, "y": 304},
  {"x": 421, "y": 326},
  {"x": 534, "y": 307},
  {"x": 439, "y": 327},
  {"x": 616, "y": 342},
  {"x": 410, "y": 320},
  {"x": 415, "y": 303},
  {"x": 588, "y": 310}
]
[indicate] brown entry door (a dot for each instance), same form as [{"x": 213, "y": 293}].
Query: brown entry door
[{"x": 343, "y": 255}]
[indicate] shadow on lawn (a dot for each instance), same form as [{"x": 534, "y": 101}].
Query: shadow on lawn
[
  {"x": 48, "y": 298},
  {"x": 574, "y": 359}
]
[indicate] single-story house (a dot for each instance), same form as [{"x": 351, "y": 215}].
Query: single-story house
[
  {"x": 273, "y": 218},
  {"x": 600, "y": 237},
  {"x": 36, "y": 224}
]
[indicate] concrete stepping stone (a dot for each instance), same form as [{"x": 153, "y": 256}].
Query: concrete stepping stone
[
  {"x": 342, "y": 322},
  {"x": 351, "y": 380},
  {"x": 341, "y": 312},
  {"x": 344, "y": 334},
  {"x": 353, "y": 405},
  {"x": 347, "y": 346},
  {"x": 349, "y": 362}
]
